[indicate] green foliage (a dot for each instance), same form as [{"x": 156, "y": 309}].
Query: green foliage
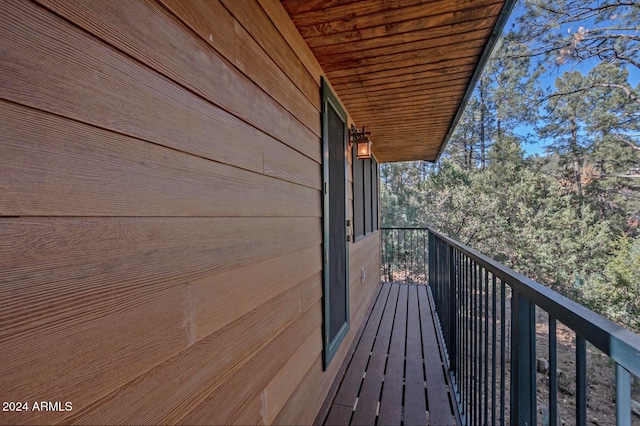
[{"x": 614, "y": 291}]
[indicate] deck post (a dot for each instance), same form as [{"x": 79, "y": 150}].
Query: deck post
[{"x": 523, "y": 361}]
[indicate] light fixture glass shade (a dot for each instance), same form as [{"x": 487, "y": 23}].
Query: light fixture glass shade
[{"x": 364, "y": 148}]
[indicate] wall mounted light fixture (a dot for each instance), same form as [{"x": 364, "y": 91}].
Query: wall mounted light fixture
[{"x": 362, "y": 141}]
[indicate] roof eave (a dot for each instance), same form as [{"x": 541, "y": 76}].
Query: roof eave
[{"x": 486, "y": 54}]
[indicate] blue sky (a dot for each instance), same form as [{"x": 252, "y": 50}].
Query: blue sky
[{"x": 548, "y": 80}]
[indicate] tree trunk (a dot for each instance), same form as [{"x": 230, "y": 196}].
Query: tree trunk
[
  {"x": 576, "y": 160},
  {"x": 482, "y": 131}
]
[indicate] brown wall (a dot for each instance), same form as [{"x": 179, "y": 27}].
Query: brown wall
[{"x": 160, "y": 214}]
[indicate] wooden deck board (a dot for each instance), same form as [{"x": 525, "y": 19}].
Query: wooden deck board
[
  {"x": 438, "y": 402},
  {"x": 366, "y": 410},
  {"x": 415, "y": 410},
  {"x": 396, "y": 357},
  {"x": 339, "y": 415},
  {"x": 391, "y": 400},
  {"x": 348, "y": 391}
]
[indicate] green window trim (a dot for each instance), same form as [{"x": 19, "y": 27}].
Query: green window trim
[
  {"x": 366, "y": 175},
  {"x": 335, "y": 246}
]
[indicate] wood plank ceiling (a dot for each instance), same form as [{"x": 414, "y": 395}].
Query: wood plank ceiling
[{"x": 403, "y": 68}]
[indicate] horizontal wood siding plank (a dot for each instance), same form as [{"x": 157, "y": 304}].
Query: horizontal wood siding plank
[
  {"x": 188, "y": 378},
  {"x": 316, "y": 383},
  {"x": 282, "y": 162},
  {"x": 278, "y": 391},
  {"x": 282, "y": 79},
  {"x": 220, "y": 299},
  {"x": 252, "y": 17},
  {"x": 89, "y": 351},
  {"x": 258, "y": 66},
  {"x": 56, "y": 267},
  {"x": 269, "y": 38},
  {"x": 227, "y": 403},
  {"x": 364, "y": 254},
  {"x": 148, "y": 33},
  {"x": 52, "y": 66},
  {"x": 311, "y": 289},
  {"x": 212, "y": 16},
  {"x": 189, "y": 12},
  {"x": 278, "y": 15},
  {"x": 45, "y": 156},
  {"x": 252, "y": 412},
  {"x": 310, "y": 88}
]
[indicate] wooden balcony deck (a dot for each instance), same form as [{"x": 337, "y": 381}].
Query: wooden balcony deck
[{"x": 394, "y": 373}]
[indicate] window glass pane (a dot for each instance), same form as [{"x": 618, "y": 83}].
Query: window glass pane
[
  {"x": 375, "y": 176},
  {"x": 367, "y": 197},
  {"x": 358, "y": 195}
]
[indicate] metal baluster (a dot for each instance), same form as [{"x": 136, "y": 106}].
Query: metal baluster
[
  {"x": 452, "y": 308},
  {"x": 411, "y": 273},
  {"x": 474, "y": 342},
  {"x": 459, "y": 325},
  {"x": 462, "y": 345},
  {"x": 465, "y": 331},
  {"x": 503, "y": 339},
  {"x": 423, "y": 275},
  {"x": 486, "y": 346},
  {"x": 493, "y": 351},
  {"x": 581, "y": 380},
  {"x": 404, "y": 253},
  {"x": 468, "y": 339},
  {"x": 553, "y": 373}
]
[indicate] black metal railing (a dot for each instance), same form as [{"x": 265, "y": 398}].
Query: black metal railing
[
  {"x": 496, "y": 323},
  {"x": 404, "y": 255}
]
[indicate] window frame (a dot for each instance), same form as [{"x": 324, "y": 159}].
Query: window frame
[{"x": 360, "y": 214}]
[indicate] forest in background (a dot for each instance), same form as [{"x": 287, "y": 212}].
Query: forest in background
[{"x": 568, "y": 218}]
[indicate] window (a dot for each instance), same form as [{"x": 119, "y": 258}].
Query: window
[{"x": 365, "y": 196}]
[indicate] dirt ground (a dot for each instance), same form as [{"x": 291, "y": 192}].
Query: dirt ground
[{"x": 601, "y": 406}]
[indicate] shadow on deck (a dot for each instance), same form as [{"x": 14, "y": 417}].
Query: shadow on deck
[{"x": 394, "y": 373}]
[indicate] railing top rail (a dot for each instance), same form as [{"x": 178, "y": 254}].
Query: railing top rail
[
  {"x": 622, "y": 345},
  {"x": 403, "y": 228}
]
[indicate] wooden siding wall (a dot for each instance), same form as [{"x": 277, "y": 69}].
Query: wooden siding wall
[{"x": 160, "y": 214}]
